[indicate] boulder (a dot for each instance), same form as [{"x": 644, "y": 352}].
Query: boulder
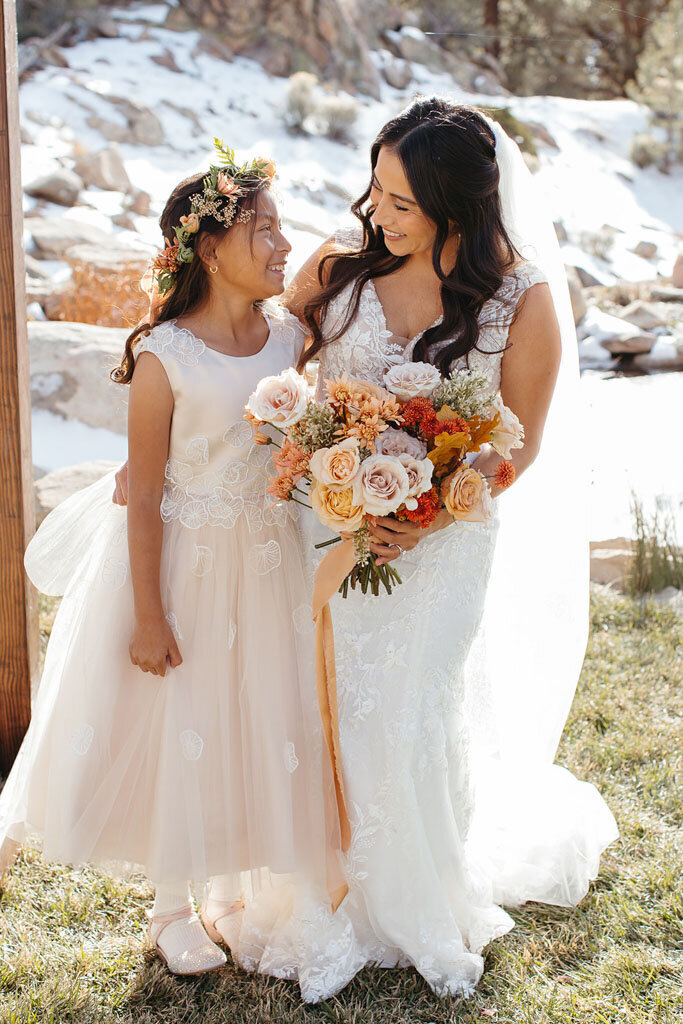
[
  {"x": 140, "y": 202},
  {"x": 664, "y": 294},
  {"x": 561, "y": 232},
  {"x": 213, "y": 47},
  {"x": 647, "y": 250},
  {"x": 51, "y": 489},
  {"x": 34, "y": 268},
  {"x": 665, "y": 355},
  {"x": 413, "y": 45},
  {"x": 53, "y": 237},
  {"x": 677, "y": 275},
  {"x": 398, "y": 73},
  {"x": 104, "y": 169},
  {"x": 541, "y": 134},
  {"x": 579, "y": 306},
  {"x": 124, "y": 220},
  {"x": 587, "y": 279},
  {"x": 615, "y": 335},
  {"x": 70, "y": 365},
  {"x": 106, "y": 27},
  {"x": 610, "y": 562},
  {"x": 165, "y": 59},
  {"x": 643, "y": 314},
  {"x": 60, "y": 186},
  {"x": 145, "y": 128},
  {"x": 108, "y": 129}
]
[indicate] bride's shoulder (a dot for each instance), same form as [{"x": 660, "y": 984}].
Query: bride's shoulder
[
  {"x": 525, "y": 274},
  {"x": 350, "y": 237}
]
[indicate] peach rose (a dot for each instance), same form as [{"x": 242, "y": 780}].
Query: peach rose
[
  {"x": 226, "y": 185},
  {"x": 412, "y": 380},
  {"x": 509, "y": 432},
  {"x": 419, "y": 477},
  {"x": 336, "y": 467},
  {"x": 382, "y": 485},
  {"x": 466, "y": 495},
  {"x": 398, "y": 442},
  {"x": 281, "y": 400},
  {"x": 336, "y": 508},
  {"x": 190, "y": 223}
]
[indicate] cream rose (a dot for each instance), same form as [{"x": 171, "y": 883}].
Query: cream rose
[
  {"x": 336, "y": 509},
  {"x": 398, "y": 442},
  {"x": 382, "y": 485},
  {"x": 466, "y": 495},
  {"x": 336, "y": 467},
  {"x": 419, "y": 477},
  {"x": 412, "y": 380},
  {"x": 509, "y": 432},
  {"x": 281, "y": 400}
]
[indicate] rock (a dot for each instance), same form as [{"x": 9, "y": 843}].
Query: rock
[
  {"x": 579, "y": 306},
  {"x": 398, "y": 73},
  {"x": 663, "y": 294},
  {"x": 532, "y": 161},
  {"x": 140, "y": 203},
  {"x": 300, "y": 225},
  {"x": 615, "y": 335},
  {"x": 53, "y": 488},
  {"x": 26, "y": 137},
  {"x": 610, "y": 564},
  {"x": 587, "y": 279},
  {"x": 124, "y": 220},
  {"x": 34, "y": 311},
  {"x": 61, "y": 186},
  {"x": 213, "y": 47},
  {"x": 42, "y": 291},
  {"x": 104, "y": 169},
  {"x": 145, "y": 128},
  {"x": 413, "y": 45},
  {"x": 53, "y": 237},
  {"x": 108, "y": 129},
  {"x": 665, "y": 355},
  {"x": 643, "y": 314},
  {"x": 166, "y": 60},
  {"x": 487, "y": 82},
  {"x": 647, "y": 250},
  {"x": 112, "y": 258},
  {"x": 34, "y": 269},
  {"x": 541, "y": 133},
  {"x": 338, "y": 190},
  {"x": 677, "y": 276},
  {"x": 106, "y": 27},
  {"x": 561, "y": 232},
  {"x": 70, "y": 366},
  {"x": 671, "y": 598}
]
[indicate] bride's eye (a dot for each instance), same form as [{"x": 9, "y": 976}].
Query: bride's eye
[{"x": 397, "y": 207}]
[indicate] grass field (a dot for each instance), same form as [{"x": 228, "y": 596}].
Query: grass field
[{"x": 73, "y": 950}]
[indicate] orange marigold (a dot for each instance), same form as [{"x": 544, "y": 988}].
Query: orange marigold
[
  {"x": 419, "y": 413},
  {"x": 504, "y": 475}
]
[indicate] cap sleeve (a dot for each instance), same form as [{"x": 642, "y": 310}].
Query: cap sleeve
[
  {"x": 163, "y": 342},
  {"x": 288, "y": 328}
]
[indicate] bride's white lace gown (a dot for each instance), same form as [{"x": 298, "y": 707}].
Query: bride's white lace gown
[{"x": 441, "y": 834}]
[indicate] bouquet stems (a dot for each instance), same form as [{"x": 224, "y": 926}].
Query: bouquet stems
[{"x": 370, "y": 576}]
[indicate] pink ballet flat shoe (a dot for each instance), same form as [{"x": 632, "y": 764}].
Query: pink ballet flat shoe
[
  {"x": 223, "y": 915},
  {"x": 183, "y": 944}
]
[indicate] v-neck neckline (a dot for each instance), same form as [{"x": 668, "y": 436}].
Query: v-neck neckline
[{"x": 410, "y": 342}]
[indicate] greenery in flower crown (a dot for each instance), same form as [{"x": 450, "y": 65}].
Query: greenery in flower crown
[{"x": 224, "y": 185}]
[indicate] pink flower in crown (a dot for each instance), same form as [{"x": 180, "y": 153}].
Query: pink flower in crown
[{"x": 227, "y": 186}]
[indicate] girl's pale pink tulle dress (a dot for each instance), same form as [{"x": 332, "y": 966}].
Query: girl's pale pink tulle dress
[{"x": 218, "y": 767}]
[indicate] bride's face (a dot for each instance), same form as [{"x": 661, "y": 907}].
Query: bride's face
[
  {"x": 251, "y": 257},
  {"x": 406, "y": 229}
]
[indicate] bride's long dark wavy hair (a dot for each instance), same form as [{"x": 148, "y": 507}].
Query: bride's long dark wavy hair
[{"x": 449, "y": 157}]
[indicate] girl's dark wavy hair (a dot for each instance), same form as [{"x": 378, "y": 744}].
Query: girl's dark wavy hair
[
  {"x": 449, "y": 157},
  {"x": 191, "y": 289}
]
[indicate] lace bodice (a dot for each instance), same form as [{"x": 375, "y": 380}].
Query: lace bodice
[
  {"x": 368, "y": 349},
  {"x": 215, "y": 473}
]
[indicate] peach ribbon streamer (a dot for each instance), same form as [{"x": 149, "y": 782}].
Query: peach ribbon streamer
[{"x": 331, "y": 573}]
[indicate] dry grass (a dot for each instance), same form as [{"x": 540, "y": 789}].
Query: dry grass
[
  {"x": 105, "y": 297},
  {"x": 73, "y": 951}
]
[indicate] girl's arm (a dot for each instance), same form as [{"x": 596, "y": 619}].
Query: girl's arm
[
  {"x": 528, "y": 374},
  {"x": 150, "y": 410}
]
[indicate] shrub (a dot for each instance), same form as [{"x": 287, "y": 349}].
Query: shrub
[
  {"x": 107, "y": 298},
  {"x": 657, "y": 560},
  {"x": 646, "y": 150},
  {"x": 301, "y": 99},
  {"x": 310, "y": 110},
  {"x": 598, "y": 243},
  {"x": 516, "y": 129},
  {"x": 336, "y": 115}
]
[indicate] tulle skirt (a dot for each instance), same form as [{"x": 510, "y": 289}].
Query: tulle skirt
[{"x": 216, "y": 768}]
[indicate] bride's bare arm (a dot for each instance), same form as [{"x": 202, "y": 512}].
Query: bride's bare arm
[{"x": 528, "y": 375}]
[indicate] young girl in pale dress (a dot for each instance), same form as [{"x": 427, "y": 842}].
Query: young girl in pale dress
[{"x": 176, "y": 726}]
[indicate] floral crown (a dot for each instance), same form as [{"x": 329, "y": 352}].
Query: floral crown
[{"x": 224, "y": 185}]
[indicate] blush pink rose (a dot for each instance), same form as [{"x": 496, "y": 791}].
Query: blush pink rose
[
  {"x": 412, "y": 380},
  {"x": 381, "y": 486},
  {"x": 509, "y": 432},
  {"x": 281, "y": 400},
  {"x": 336, "y": 467},
  {"x": 398, "y": 442},
  {"x": 419, "y": 477}
]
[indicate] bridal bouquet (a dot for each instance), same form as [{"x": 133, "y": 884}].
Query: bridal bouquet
[{"x": 399, "y": 450}]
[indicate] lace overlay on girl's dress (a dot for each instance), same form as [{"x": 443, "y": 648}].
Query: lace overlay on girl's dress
[{"x": 419, "y": 746}]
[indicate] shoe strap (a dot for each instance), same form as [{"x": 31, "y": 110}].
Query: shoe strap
[{"x": 183, "y": 914}]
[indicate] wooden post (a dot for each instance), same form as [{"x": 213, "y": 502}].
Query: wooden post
[{"x": 18, "y": 605}]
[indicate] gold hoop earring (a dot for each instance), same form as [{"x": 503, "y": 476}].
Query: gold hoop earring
[{"x": 213, "y": 269}]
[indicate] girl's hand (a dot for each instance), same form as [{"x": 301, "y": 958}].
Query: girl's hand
[
  {"x": 389, "y": 538},
  {"x": 153, "y": 646},
  {"x": 120, "y": 496}
]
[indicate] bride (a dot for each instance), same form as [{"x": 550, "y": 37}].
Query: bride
[{"x": 454, "y": 690}]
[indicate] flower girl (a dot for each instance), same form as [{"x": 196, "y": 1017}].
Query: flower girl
[{"x": 176, "y": 726}]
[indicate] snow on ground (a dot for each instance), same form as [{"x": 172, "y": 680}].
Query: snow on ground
[{"x": 588, "y": 182}]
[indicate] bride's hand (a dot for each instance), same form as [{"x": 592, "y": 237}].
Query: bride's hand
[
  {"x": 389, "y": 538},
  {"x": 120, "y": 495}
]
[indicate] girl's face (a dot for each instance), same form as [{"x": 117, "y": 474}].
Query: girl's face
[
  {"x": 251, "y": 257},
  {"x": 406, "y": 229}
]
